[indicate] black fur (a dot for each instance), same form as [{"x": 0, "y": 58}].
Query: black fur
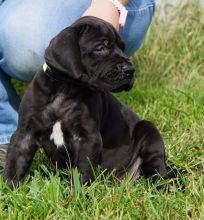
[{"x": 86, "y": 63}]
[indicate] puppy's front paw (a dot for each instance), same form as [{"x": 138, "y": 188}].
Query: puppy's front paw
[
  {"x": 86, "y": 178},
  {"x": 12, "y": 183}
]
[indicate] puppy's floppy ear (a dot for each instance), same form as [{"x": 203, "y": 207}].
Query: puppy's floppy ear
[{"x": 63, "y": 53}]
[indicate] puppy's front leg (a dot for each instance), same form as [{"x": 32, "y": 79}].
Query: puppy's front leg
[
  {"x": 19, "y": 158},
  {"x": 150, "y": 145},
  {"x": 88, "y": 156}
]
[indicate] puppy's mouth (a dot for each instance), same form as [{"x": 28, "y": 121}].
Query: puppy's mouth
[
  {"x": 115, "y": 78},
  {"x": 118, "y": 81}
]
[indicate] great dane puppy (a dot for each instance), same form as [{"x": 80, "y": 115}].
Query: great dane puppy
[{"x": 68, "y": 109}]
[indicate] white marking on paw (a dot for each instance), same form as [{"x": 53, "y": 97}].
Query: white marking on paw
[{"x": 57, "y": 135}]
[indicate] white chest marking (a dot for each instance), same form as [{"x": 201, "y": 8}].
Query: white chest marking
[{"x": 57, "y": 135}]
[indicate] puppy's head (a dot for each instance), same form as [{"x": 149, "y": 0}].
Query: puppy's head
[{"x": 91, "y": 51}]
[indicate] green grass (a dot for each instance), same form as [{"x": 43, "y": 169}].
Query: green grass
[{"x": 169, "y": 91}]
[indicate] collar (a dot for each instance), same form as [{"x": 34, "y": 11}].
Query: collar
[
  {"x": 45, "y": 67},
  {"x": 48, "y": 72},
  {"x": 61, "y": 78}
]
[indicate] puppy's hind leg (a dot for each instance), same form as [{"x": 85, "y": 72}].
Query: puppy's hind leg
[
  {"x": 150, "y": 148},
  {"x": 19, "y": 158}
]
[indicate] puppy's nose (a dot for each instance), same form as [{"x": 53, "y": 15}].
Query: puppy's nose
[{"x": 128, "y": 70}]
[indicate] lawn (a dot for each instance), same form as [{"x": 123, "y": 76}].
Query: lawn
[{"x": 169, "y": 91}]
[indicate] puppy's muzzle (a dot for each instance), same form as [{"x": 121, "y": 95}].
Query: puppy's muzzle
[
  {"x": 120, "y": 77},
  {"x": 127, "y": 69}
]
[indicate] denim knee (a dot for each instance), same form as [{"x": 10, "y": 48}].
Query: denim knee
[
  {"x": 26, "y": 28},
  {"x": 140, "y": 13}
]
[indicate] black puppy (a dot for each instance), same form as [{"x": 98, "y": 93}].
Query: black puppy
[{"x": 69, "y": 111}]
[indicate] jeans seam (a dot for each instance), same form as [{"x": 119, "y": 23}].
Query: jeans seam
[{"x": 141, "y": 9}]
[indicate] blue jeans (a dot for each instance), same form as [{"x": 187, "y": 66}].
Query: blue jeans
[{"x": 27, "y": 26}]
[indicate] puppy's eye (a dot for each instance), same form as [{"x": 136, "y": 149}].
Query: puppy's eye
[
  {"x": 107, "y": 43},
  {"x": 103, "y": 48},
  {"x": 100, "y": 48}
]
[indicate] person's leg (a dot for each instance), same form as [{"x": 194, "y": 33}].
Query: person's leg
[
  {"x": 9, "y": 103},
  {"x": 26, "y": 28},
  {"x": 140, "y": 13}
]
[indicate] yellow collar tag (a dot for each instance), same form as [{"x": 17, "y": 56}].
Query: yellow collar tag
[{"x": 45, "y": 66}]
